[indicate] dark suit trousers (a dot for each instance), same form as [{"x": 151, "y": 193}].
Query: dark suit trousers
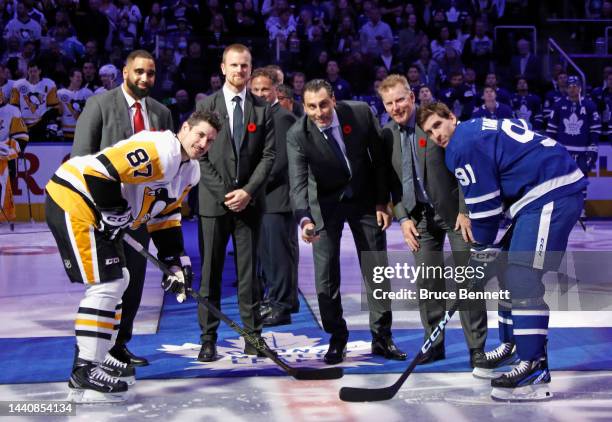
[
  {"x": 279, "y": 254},
  {"x": 137, "y": 266},
  {"x": 215, "y": 233},
  {"x": 368, "y": 237},
  {"x": 433, "y": 231}
]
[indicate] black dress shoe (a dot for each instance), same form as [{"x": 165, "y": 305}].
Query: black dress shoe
[
  {"x": 251, "y": 350},
  {"x": 121, "y": 352},
  {"x": 277, "y": 317},
  {"x": 432, "y": 355},
  {"x": 384, "y": 346},
  {"x": 208, "y": 352},
  {"x": 336, "y": 352}
]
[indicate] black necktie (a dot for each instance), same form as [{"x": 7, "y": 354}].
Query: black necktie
[
  {"x": 329, "y": 135},
  {"x": 238, "y": 124}
]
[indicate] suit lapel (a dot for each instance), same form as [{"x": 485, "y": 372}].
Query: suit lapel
[
  {"x": 422, "y": 151},
  {"x": 154, "y": 123},
  {"x": 397, "y": 148},
  {"x": 122, "y": 114},
  {"x": 347, "y": 125},
  {"x": 248, "y": 113}
]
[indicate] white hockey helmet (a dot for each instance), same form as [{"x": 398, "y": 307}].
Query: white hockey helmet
[{"x": 109, "y": 70}]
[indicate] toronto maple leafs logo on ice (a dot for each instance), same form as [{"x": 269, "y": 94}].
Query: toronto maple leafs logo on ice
[
  {"x": 289, "y": 347},
  {"x": 573, "y": 125}
]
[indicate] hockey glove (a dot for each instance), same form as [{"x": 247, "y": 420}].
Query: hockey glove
[
  {"x": 113, "y": 220},
  {"x": 180, "y": 282}
]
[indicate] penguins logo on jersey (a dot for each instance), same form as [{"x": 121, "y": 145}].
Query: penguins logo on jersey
[
  {"x": 154, "y": 201},
  {"x": 33, "y": 100}
]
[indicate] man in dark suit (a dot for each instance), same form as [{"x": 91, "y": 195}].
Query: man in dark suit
[
  {"x": 106, "y": 119},
  {"x": 336, "y": 175},
  {"x": 429, "y": 206},
  {"x": 278, "y": 244},
  {"x": 525, "y": 63},
  {"x": 231, "y": 194}
]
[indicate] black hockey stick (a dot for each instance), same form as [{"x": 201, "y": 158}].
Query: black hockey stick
[
  {"x": 356, "y": 394},
  {"x": 255, "y": 341}
]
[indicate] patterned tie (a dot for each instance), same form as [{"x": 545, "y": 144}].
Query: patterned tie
[
  {"x": 408, "y": 188},
  {"x": 138, "y": 118},
  {"x": 238, "y": 124}
]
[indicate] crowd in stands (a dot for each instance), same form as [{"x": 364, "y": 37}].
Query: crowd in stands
[{"x": 446, "y": 49}]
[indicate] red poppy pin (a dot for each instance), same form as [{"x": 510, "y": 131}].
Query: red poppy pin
[
  {"x": 347, "y": 129},
  {"x": 422, "y": 143},
  {"x": 251, "y": 127}
]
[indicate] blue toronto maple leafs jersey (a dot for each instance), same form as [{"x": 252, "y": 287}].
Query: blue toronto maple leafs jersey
[
  {"x": 503, "y": 164},
  {"x": 575, "y": 124},
  {"x": 529, "y": 108},
  {"x": 502, "y": 111}
]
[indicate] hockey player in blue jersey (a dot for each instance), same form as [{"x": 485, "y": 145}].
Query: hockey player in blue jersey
[
  {"x": 491, "y": 108},
  {"x": 499, "y": 164},
  {"x": 527, "y": 106},
  {"x": 575, "y": 123}
]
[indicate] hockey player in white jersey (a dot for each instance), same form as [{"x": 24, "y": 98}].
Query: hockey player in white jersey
[
  {"x": 108, "y": 76},
  {"x": 36, "y": 98},
  {"x": 90, "y": 199},
  {"x": 72, "y": 101},
  {"x": 499, "y": 164}
]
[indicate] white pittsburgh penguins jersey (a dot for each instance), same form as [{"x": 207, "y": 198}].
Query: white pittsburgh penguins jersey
[
  {"x": 33, "y": 100},
  {"x": 12, "y": 130},
  {"x": 72, "y": 103},
  {"x": 153, "y": 179}
]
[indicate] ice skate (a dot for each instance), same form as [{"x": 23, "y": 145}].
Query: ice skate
[
  {"x": 91, "y": 384},
  {"x": 528, "y": 381},
  {"x": 486, "y": 363},
  {"x": 115, "y": 368}
]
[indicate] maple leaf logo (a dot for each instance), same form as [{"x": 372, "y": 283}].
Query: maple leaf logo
[
  {"x": 573, "y": 125},
  {"x": 289, "y": 347}
]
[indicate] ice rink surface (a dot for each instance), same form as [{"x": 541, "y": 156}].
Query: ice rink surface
[{"x": 37, "y": 301}]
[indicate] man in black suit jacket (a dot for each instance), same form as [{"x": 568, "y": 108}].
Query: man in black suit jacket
[
  {"x": 231, "y": 194},
  {"x": 107, "y": 119},
  {"x": 428, "y": 203},
  {"x": 278, "y": 244},
  {"x": 335, "y": 175}
]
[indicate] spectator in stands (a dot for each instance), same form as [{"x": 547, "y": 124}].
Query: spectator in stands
[
  {"x": 355, "y": 69},
  {"x": 23, "y": 26},
  {"x": 166, "y": 77},
  {"x": 71, "y": 47},
  {"x": 244, "y": 22},
  {"x": 503, "y": 96},
  {"x": 111, "y": 11},
  {"x": 458, "y": 97},
  {"x": 90, "y": 23},
  {"x": 280, "y": 28},
  {"x": 386, "y": 58},
  {"x": 490, "y": 108},
  {"x": 193, "y": 70},
  {"x": 425, "y": 96},
  {"x": 478, "y": 50},
  {"x": 297, "y": 82},
  {"x": 469, "y": 78},
  {"x": 344, "y": 35},
  {"x": 156, "y": 14},
  {"x": 373, "y": 32},
  {"x": 444, "y": 40},
  {"x": 217, "y": 38},
  {"x": 342, "y": 89},
  {"x": 525, "y": 64},
  {"x": 181, "y": 108},
  {"x": 411, "y": 39},
  {"x": 93, "y": 54},
  {"x": 154, "y": 26},
  {"x": 450, "y": 62},
  {"x": 90, "y": 76},
  {"x": 12, "y": 57},
  {"x": 527, "y": 106},
  {"x": 430, "y": 70},
  {"x": 215, "y": 83},
  {"x": 52, "y": 60},
  {"x": 173, "y": 10},
  {"x": 414, "y": 78},
  {"x": 132, "y": 13}
]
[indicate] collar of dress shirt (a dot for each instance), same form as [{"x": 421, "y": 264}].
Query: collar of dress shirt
[
  {"x": 130, "y": 100},
  {"x": 411, "y": 123},
  {"x": 228, "y": 94},
  {"x": 335, "y": 122}
]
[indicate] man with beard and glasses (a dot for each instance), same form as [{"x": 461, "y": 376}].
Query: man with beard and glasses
[{"x": 106, "y": 119}]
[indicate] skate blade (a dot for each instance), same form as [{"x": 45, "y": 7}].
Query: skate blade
[
  {"x": 537, "y": 392},
  {"x": 94, "y": 397},
  {"x": 487, "y": 374}
]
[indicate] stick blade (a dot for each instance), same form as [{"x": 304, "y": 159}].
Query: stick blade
[
  {"x": 318, "y": 373},
  {"x": 354, "y": 394}
]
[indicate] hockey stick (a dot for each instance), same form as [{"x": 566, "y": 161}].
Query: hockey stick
[
  {"x": 255, "y": 341},
  {"x": 356, "y": 394},
  {"x": 27, "y": 188}
]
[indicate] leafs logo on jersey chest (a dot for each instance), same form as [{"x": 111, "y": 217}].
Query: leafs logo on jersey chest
[{"x": 573, "y": 125}]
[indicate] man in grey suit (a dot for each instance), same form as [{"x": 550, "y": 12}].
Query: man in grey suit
[
  {"x": 106, "y": 119},
  {"x": 231, "y": 193},
  {"x": 278, "y": 244},
  {"x": 428, "y": 203},
  {"x": 336, "y": 175}
]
